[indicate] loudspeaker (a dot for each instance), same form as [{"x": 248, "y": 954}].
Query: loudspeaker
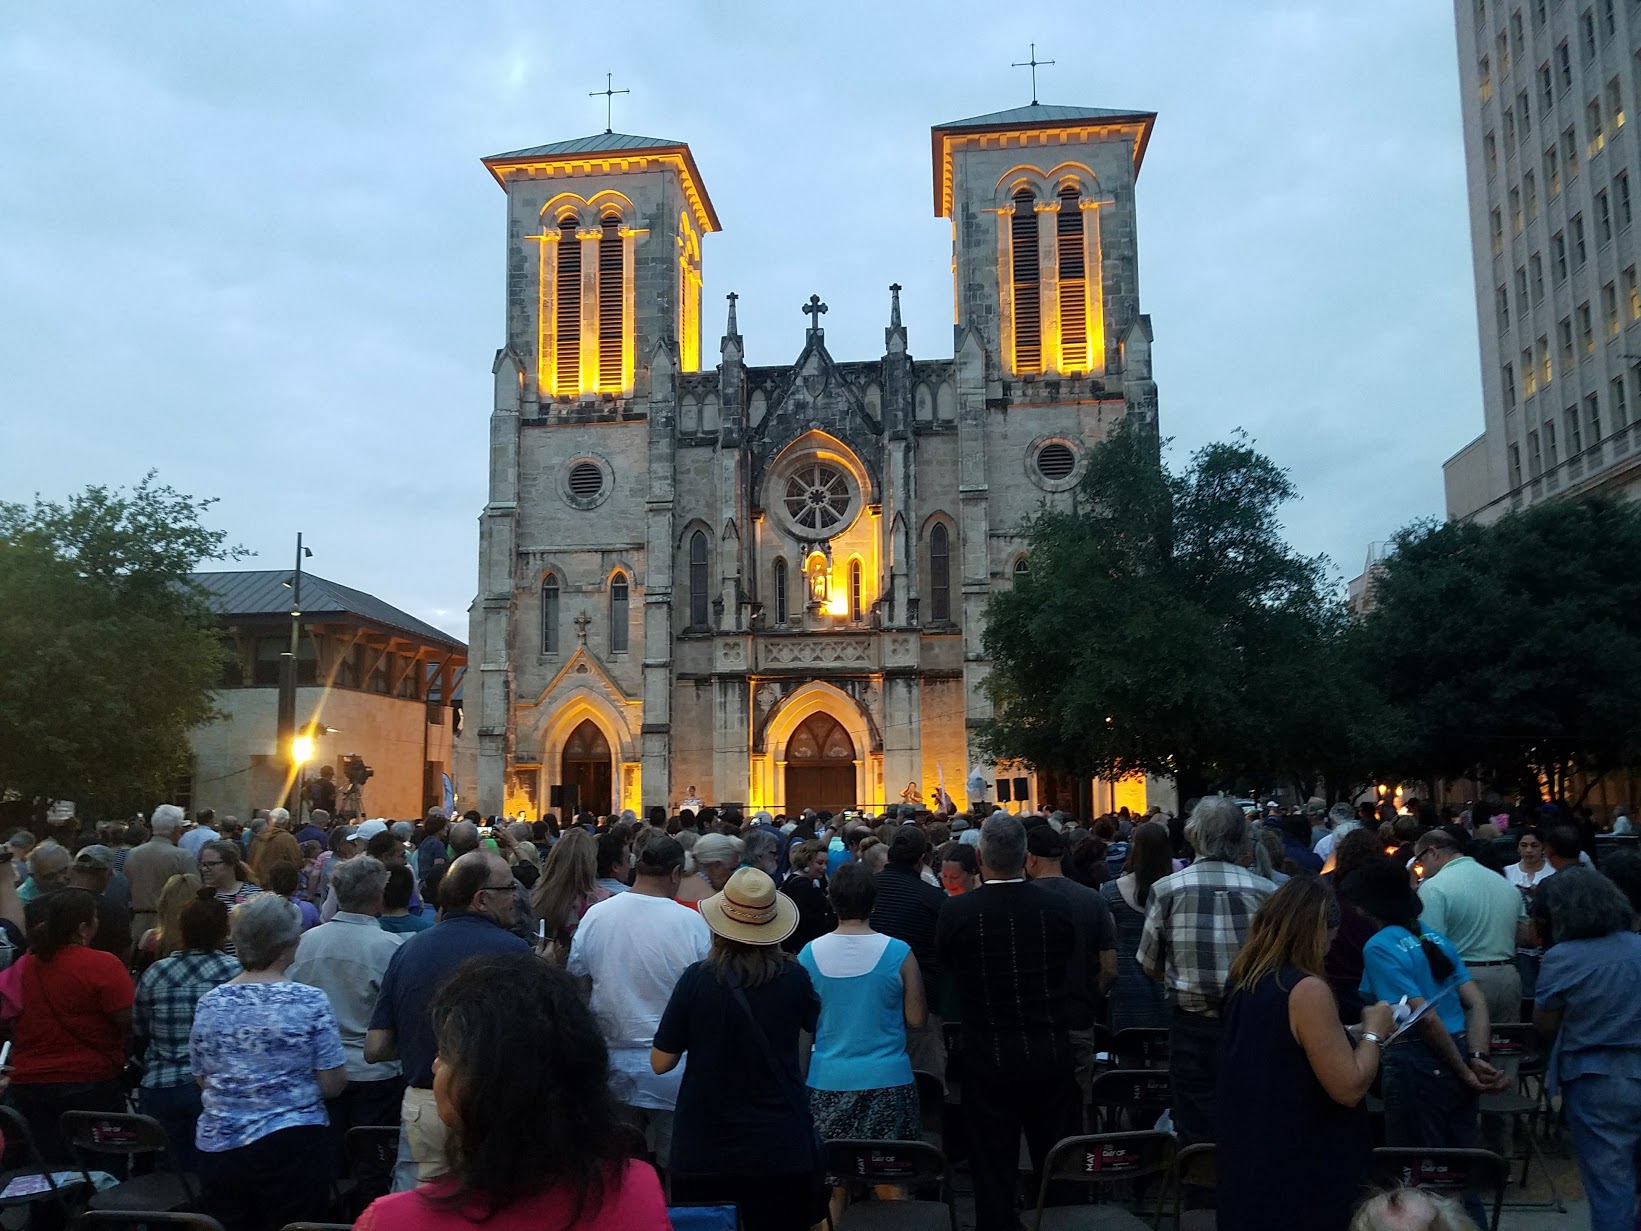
[
  {"x": 1002, "y": 790},
  {"x": 564, "y": 796},
  {"x": 1022, "y": 789}
]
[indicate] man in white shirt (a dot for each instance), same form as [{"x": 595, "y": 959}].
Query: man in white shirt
[
  {"x": 204, "y": 831},
  {"x": 634, "y": 947}
]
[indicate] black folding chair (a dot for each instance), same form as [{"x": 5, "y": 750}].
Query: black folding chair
[
  {"x": 136, "y": 1220},
  {"x": 1141, "y": 1047},
  {"x": 931, "y": 1102},
  {"x": 1457, "y": 1173},
  {"x": 1129, "y": 1099},
  {"x": 372, "y": 1150},
  {"x": 912, "y": 1163},
  {"x": 27, "y": 1179},
  {"x": 1521, "y": 1044},
  {"x": 1194, "y": 1168},
  {"x": 1102, "y": 1160},
  {"x": 166, "y": 1187}
]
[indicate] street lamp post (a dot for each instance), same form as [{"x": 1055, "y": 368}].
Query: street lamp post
[{"x": 286, "y": 731}]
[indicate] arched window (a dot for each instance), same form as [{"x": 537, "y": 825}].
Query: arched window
[
  {"x": 611, "y": 298},
  {"x": 1027, "y": 274},
  {"x": 619, "y": 627},
  {"x": 549, "y": 615},
  {"x": 1068, "y": 234},
  {"x": 1022, "y": 566},
  {"x": 780, "y": 590},
  {"x": 854, "y": 590},
  {"x": 698, "y": 579},
  {"x": 940, "y": 574},
  {"x": 567, "y": 311}
]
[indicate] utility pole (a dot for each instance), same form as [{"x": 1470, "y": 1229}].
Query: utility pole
[{"x": 286, "y": 723}]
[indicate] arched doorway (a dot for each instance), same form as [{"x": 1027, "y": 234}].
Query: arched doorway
[
  {"x": 820, "y": 766},
  {"x": 587, "y": 767}
]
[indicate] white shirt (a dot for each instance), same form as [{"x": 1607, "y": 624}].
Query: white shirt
[
  {"x": 1526, "y": 880},
  {"x": 843, "y": 956},
  {"x": 635, "y": 948},
  {"x": 197, "y": 837}
]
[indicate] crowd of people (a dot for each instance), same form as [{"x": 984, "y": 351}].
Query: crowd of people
[{"x": 573, "y": 1024}]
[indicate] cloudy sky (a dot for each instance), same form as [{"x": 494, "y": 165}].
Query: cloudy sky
[{"x": 252, "y": 245}]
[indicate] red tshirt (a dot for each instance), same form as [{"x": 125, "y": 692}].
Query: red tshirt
[
  {"x": 66, "y": 1031},
  {"x": 634, "y": 1203}
]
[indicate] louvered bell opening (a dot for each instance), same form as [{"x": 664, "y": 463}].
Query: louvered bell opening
[
  {"x": 610, "y": 291},
  {"x": 1073, "y": 282},
  {"x": 1028, "y": 312},
  {"x": 567, "y": 333},
  {"x": 1055, "y": 461},
  {"x": 586, "y": 480}
]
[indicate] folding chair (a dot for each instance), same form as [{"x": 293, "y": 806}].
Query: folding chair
[
  {"x": 700, "y": 1217},
  {"x": 1521, "y": 1044},
  {"x": 135, "y": 1220},
  {"x": 1102, "y": 1160},
  {"x": 931, "y": 1101},
  {"x": 1141, "y": 1047},
  {"x": 135, "y": 1136},
  {"x": 367, "y": 1147},
  {"x": 1129, "y": 1099},
  {"x": 1455, "y": 1172},
  {"x": 32, "y": 1181},
  {"x": 912, "y": 1163},
  {"x": 1194, "y": 1168}
]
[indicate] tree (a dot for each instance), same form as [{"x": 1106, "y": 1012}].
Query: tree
[
  {"x": 108, "y": 653},
  {"x": 1166, "y": 626},
  {"x": 1513, "y": 651}
]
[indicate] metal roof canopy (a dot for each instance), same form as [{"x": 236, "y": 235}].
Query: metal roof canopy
[{"x": 263, "y": 592}]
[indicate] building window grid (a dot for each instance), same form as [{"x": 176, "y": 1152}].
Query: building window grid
[
  {"x": 1575, "y": 433},
  {"x": 1569, "y": 151},
  {"x": 1558, "y": 256},
  {"x": 940, "y": 573},
  {"x": 1609, "y": 18},
  {"x": 1516, "y": 217},
  {"x": 1621, "y": 414},
  {"x": 1529, "y": 189},
  {"x": 1496, "y": 220},
  {"x": 1509, "y": 130},
  {"x": 780, "y": 590},
  {"x": 1529, "y": 374},
  {"x": 1546, "y": 87},
  {"x": 1545, "y": 372},
  {"x": 1595, "y": 135},
  {"x": 1518, "y": 34},
  {"x": 1536, "y": 264},
  {"x": 1621, "y": 181},
  {"x": 1552, "y": 171},
  {"x": 1540, "y": 13},
  {"x": 1592, "y": 418},
  {"x": 1521, "y": 289},
  {"x": 1581, "y": 252},
  {"x": 854, "y": 591},
  {"x": 698, "y": 600},
  {"x": 1615, "y": 104},
  {"x": 1632, "y": 294},
  {"x": 1550, "y": 454},
  {"x": 1564, "y": 65},
  {"x": 1515, "y": 465},
  {"x": 1524, "y": 108},
  {"x": 1503, "y": 45},
  {"x": 1564, "y": 330},
  {"x": 1586, "y": 328},
  {"x": 1535, "y": 460},
  {"x": 1501, "y": 306},
  {"x": 1609, "y": 310},
  {"x": 1586, "y": 27},
  {"x": 1603, "y": 217},
  {"x": 1490, "y": 153},
  {"x": 549, "y": 614},
  {"x": 620, "y": 606}
]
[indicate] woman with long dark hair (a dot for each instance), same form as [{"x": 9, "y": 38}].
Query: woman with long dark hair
[
  {"x": 1435, "y": 1074},
  {"x": 1136, "y": 1000},
  {"x": 743, "y": 1130},
  {"x": 1288, "y": 1069},
  {"x": 75, "y": 1006},
  {"x": 568, "y": 888},
  {"x": 570, "y": 1171}
]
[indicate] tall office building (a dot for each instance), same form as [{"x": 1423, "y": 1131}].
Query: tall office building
[{"x": 1551, "y": 94}]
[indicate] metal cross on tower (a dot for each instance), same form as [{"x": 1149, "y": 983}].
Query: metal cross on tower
[
  {"x": 1033, "y": 64},
  {"x": 813, "y": 310},
  {"x": 609, "y": 99}
]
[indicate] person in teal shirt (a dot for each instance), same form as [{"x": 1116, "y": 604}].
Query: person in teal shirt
[{"x": 396, "y": 916}]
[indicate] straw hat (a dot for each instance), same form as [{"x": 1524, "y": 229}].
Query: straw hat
[{"x": 751, "y": 910}]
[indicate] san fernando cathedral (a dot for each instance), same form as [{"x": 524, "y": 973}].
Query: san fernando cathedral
[{"x": 767, "y": 585}]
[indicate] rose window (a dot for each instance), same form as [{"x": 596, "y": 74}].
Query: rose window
[{"x": 817, "y": 497}]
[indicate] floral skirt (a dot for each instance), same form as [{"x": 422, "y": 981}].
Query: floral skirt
[{"x": 888, "y": 1114}]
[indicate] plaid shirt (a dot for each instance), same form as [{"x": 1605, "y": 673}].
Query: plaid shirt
[
  {"x": 1195, "y": 923},
  {"x": 163, "y": 1015}
]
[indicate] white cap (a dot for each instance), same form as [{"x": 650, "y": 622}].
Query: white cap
[{"x": 370, "y": 829}]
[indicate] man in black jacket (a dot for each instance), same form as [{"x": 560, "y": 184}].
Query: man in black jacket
[
  {"x": 1009, "y": 947},
  {"x": 908, "y": 908}
]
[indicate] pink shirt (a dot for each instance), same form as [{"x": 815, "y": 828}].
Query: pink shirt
[{"x": 633, "y": 1204}]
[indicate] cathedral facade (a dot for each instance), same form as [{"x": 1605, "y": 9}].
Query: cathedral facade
[{"x": 767, "y": 585}]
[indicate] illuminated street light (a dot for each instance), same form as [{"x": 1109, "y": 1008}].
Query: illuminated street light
[{"x": 302, "y": 749}]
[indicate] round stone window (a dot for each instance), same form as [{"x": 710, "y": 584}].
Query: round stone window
[
  {"x": 818, "y": 497},
  {"x": 1054, "y": 463},
  {"x": 585, "y": 482}
]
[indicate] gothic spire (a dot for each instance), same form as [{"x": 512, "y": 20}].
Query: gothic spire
[{"x": 894, "y": 337}]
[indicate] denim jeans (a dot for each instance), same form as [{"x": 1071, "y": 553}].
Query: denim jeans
[
  {"x": 177, "y": 1109},
  {"x": 1427, "y": 1105},
  {"x": 1604, "y": 1116},
  {"x": 1193, "y": 1070}
]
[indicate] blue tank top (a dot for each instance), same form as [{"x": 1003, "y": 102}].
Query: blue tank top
[{"x": 860, "y": 1043}]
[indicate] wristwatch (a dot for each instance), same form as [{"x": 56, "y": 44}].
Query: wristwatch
[
  {"x": 1369, "y": 1037},
  {"x": 1481, "y": 1055}
]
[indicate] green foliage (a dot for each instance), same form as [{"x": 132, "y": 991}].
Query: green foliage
[
  {"x": 1513, "y": 650},
  {"x": 1166, "y": 626},
  {"x": 108, "y": 654}
]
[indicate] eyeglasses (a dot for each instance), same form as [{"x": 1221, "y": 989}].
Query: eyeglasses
[
  {"x": 206, "y": 867},
  {"x": 497, "y": 889}
]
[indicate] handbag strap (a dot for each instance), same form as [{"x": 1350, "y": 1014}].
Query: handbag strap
[{"x": 800, "y": 1098}]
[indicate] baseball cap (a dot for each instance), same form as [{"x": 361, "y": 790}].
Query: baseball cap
[
  {"x": 369, "y": 830},
  {"x": 95, "y": 856},
  {"x": 1044, "y": 842}
]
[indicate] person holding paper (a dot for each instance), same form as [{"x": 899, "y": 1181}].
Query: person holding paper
[{"x": 1436, "y": 1066}]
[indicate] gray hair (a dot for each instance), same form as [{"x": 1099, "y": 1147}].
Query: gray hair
[
  {"x": 464, "y": 837},
  {"x": 1402, "y": 1208},
  {"x": 1342, "y": 812},
  {"x": 167, "y": 818},
  {"x": 263, "y": 927},
  {"x": 1585, "y": 905},
  {"x": 1003, "y": 845},
  {"x": 520, "y": 831},
  {"x": 46, "y": 853},
  {"x": 280, "y": 817},
  {"x": 1218, "y": 829},
  {"x": 403, "y": 830},
  {"x": 258, "y": 825},
  {"x": 718, "y": 848},
  {"x": 761, "y": 842},
  {"x": 358, "y": 883}
]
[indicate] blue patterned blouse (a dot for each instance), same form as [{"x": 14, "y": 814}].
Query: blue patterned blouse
[{"x": 258, "y": 1047}]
